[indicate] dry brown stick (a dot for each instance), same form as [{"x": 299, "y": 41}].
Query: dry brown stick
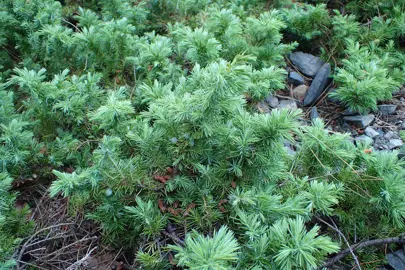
[
  {"x": 70, "y": 245},
  {"x": 81, "y": 261},
  {"x": 48, "y": 239},
  {"x": 33, "y": 265},
  {"x": 356, "y": 260},
  {"x": 116, "y": 256},
  {"x": 21, "y": 253},
  {"x": 375, "y": 242},
  {"x": 174, "y": 238}
]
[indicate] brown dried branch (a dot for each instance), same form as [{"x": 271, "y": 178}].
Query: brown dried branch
[
  {"x": 356, "y": 260},
  {"x": 339, "y": 256},
  {"x": 82, "y": 260}
]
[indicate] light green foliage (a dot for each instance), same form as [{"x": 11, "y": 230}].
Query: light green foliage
[
  {"x": 147, "y": 214},
  {"x": 366, "y": 77},
  {"x": 206, "y": 253},
  {"x": 307, "y": 21},
  {"x": 297, "y": 248},
  {"x": 140, "y": 113},
  {"x": 13, "y": 224},
  {"x": 322, "y": 153}
]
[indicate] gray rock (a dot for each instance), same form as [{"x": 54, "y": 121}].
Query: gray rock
[
  {"x": 349, "y": 112},
  {"x": 401, "y": 153},
  {"x": 272, "y": 101},
  {"x": 300, "y": 92},
  {"x": 306, "y": 63},
  {"x": 295, "y": 79},
  {"x": 387, "y": 109},
  {"x": 394, "y": 143},
  {"x": 396, "y": 259},
  {"x": 314, "y": 113},
  {"x": 389, "y": 135},
  {"x": 364, "y": 138},
  {"x": 287, "y": 104},
  {"x": 318, "y": 85},
  {"x": 360, "y": 121},
  {"x": 371, "y": 132},
  {"x": 289, "y": 151}
]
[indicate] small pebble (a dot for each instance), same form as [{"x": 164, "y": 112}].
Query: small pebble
[
  {"x": 389, "y": 135},
  {"x": 272, "y": 101},
  {"x": 371, "y": 132},
  {"x": 394, "y": 143}
]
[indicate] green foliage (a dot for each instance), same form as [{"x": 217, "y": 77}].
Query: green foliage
[
  {"x": 306, "y": 21},
  {"x": 140, "y": 113},
  {"x": 366, "y": 77},
  {"x": 297, "y": 248},
  {"x": 13, "y": 224},
  {"x": 206, "y": 253}
]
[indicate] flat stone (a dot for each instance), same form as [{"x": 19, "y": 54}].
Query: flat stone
[
  {"x": 318, "y": 85},
  {"x": 295, "y": 79},
  {"x": 287, "y": 104},
  {"x": 401, "y": 153},
  {"x": 395, "y": 143},
  {"x": 360, "y": 121},
  {"x": 396, "y": 259},
  {"x": 349, "y": 112},
  {"x": 306, "y": 63},
  {"x": 389, "y": 135},
  {"x": 314, "y": 113},
  {"x": 371, "y": 132},
  {"x": 300, "y": 92},
  {"x": 272, "y": 101},
  {"x": 364, "y": 138},
  {"x": 289, "y": 151},
  {"x": 387, "y": 109}
]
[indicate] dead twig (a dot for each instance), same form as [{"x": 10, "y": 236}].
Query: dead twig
[
  {"x": 174, "y": 238},
  {"x": 375, "y": 242},
  {"x": 21, "y": 253},
  {"x": 81, "y": 261},
  {"x": 356, "y": 260}
]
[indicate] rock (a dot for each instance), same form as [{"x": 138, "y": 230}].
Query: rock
[
  {"x": 388, "y": 135},
  {"x": 396, "y": 259},
  {"x": 371, "y": 132},
  {"x": 318, "y": 85},
  {"x": 306, "y": 63},
  {"x": 394, "y": 143},
  {"x": 314, "y": 113},
  {"x": 272, "y": 101},
  {"x": 289, "y": 151},
  {"x": 295, "y": 78},
  {"x": 262, "y": 107},
  {"x": 289, "y": 148},
  {"x": 364, "y": 138},
  {"x": 401, "y": 153},
  {"x": 349, "y": 112},
  {"x": 299, "y": 92},
  {"x": 387, "y": 109},
  {"x": 287, "y": 104},
  {"x": 360, "y": 121}
]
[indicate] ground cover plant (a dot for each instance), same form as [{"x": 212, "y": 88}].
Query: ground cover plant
[{"x": 139, "y": 118}]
